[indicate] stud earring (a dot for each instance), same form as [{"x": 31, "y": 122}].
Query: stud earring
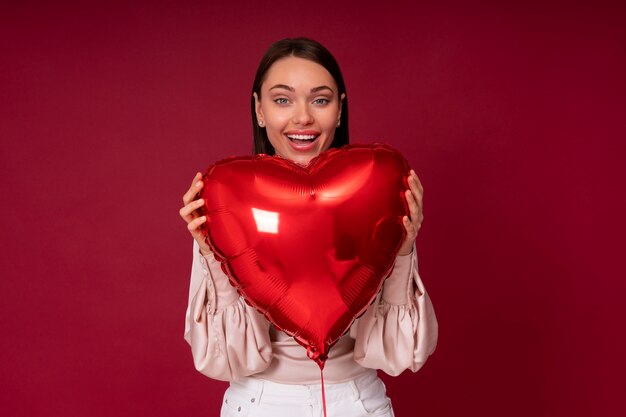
[
  {"x": 338, "y": 123},
  {"x": 261, "y": 123}
]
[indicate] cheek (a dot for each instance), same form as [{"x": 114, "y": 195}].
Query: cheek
[
  {"x": 329, "y": 118},
  {"x": 330, "y": 123},
  {"x": 276, "y": 119},
  {"x": 275, "y": 139},
  {"x": 329, "y": 139}
]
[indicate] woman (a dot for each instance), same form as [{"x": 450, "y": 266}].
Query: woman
[{"x": 299, "y": 109}]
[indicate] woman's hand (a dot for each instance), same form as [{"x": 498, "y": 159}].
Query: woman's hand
[
  {"x": 412, "y": 225},
  {"x": 190, "y": 213}
]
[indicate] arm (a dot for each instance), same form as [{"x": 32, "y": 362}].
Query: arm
[
  {"x": 399, "y": 330},
  {"x": 228, "y": 338}
]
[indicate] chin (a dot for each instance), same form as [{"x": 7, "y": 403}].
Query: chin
[
  {"x": 302, "y": 160},
  {"x": 303, "y": 157}
]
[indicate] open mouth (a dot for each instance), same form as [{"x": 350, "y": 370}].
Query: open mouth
[{"x": 302, "y": 139}]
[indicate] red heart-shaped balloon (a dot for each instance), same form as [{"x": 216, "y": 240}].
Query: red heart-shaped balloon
[{"x": 308, "y": 247}]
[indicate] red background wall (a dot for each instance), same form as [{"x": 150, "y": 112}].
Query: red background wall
[{"x": 513, "y": 116}]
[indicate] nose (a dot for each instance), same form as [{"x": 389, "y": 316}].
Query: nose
[{"x": 302, "y": 115}]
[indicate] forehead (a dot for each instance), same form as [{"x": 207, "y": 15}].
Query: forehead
[{"x": 298, "y": 73}]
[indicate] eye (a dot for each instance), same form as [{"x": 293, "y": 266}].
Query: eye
[
  {"x": 281, "y": 100},
  {"x": 321, "y": 101}
]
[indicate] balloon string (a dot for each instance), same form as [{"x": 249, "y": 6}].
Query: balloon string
[{"x": 323, "y": 393}]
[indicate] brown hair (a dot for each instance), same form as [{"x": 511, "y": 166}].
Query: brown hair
[{"x": 301, "y": 48}]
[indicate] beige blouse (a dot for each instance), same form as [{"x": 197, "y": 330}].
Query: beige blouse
[{"x": 229, "y": 339}]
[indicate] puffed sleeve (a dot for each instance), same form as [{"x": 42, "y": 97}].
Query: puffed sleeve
[
  {"x": 399, "y": 330},
  {"x": 228, "y": 338}
]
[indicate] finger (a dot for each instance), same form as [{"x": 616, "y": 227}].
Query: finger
[
  {"x": 196, "y": 186},
  {"x": 418, "y": 192},
  {"x": 411, "y": 233},
  {"x": 196, "y": 178},
  {"x": 189, "y": 212},
  {"x": 415, "y": 187},
  {"x": 194, "y": 226},
  {"x": 193, "y": 188},
  {"x": 418, "y": 182},
  {"x": 413, "y": 207},
  {"x": 419, "y": 200}
]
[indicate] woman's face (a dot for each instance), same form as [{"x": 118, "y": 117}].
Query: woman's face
[{"x": 299, "y": 107}]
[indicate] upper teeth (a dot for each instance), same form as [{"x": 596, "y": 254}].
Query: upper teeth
[{"x": 301, "y": 137}]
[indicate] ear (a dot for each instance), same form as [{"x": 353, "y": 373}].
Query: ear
[
  {"x": 257, "y": 108},
  {"x": 343, "y": 96}
]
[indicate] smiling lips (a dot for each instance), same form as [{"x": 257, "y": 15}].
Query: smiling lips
[{"x": 302, "y": 141}]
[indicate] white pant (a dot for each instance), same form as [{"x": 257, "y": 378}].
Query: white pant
[{"x": 255, "y": 397}]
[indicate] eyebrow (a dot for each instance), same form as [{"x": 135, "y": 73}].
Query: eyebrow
[
  {"x": 321, "y": 87},
  {"x": 313, "y": 90}
]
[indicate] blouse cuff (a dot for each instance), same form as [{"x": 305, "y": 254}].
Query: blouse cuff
[
  {"x": 398, "y": 287},
  {"x": 220, "y": 292},
  {"x": 230, "y": 343}
]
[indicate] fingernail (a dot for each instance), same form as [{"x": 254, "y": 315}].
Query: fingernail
[
  {"x": 200, "y": 201},
  {"x": 199, "y": 184},
  {"x": 203, "y": 218}
]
